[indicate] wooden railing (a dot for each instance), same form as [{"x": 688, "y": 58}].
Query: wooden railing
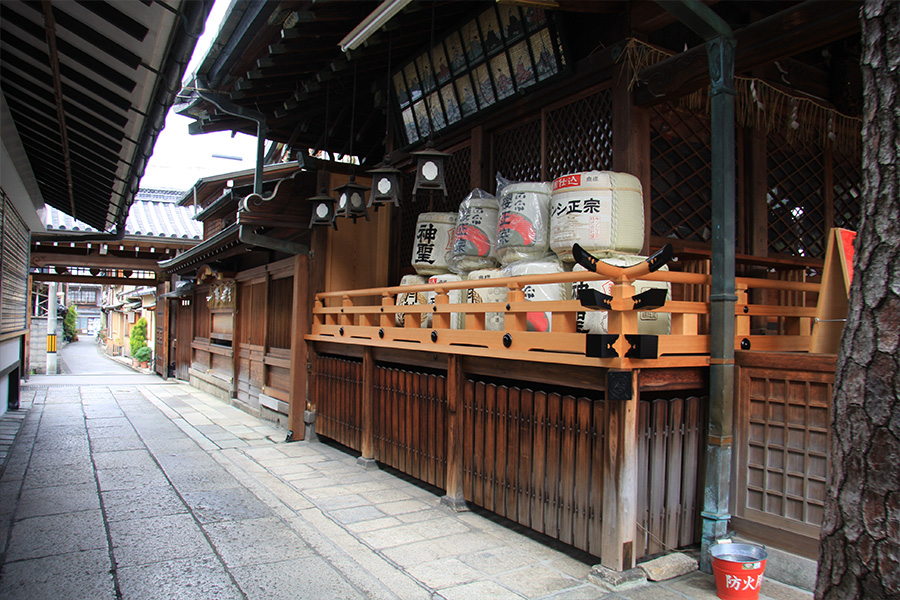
[{"x": 368, "y": 317}]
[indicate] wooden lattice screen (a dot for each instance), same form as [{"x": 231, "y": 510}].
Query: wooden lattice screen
[
  {"x": 517, "y": 152},
  {"x": 680, "y": 159},
  {"x": 278, "y": 319},
  {"x": 847, "y": 191},
  {"x": 580, "y": 135},
  {"x": 795, "y": 198},
  {"x": 782, "y": 445}
]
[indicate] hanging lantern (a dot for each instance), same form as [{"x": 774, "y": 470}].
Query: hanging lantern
[
  {"x": 430, "y": 170},
  {"x": 385, "y": 186},
  {"x": 323, "y": 212},
  {"x": 352, "y": 200}
]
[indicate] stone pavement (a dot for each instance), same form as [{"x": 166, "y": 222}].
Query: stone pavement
[{"x": 127, "y": 489}]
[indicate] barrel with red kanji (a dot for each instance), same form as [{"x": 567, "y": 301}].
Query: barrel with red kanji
[
  {"x": 523, "y": 228},
  {"x": 602, "y": 211}
]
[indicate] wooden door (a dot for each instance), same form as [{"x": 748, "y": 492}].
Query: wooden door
[{"x": 180, "y": 343}]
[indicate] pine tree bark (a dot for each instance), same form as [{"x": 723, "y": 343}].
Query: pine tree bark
[{"x": 860, "y": 540}]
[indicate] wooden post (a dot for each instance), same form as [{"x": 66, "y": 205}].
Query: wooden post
[
  {"x": 300, "y": 317},
  {"x": 620, "y": 472},
  {"x": 455, "y": 497},
  {"x": 631, "y": 139},
  {"x": 367, "y": 438}
]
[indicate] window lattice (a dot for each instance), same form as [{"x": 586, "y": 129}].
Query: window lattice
[
  {"x": 847, "y": 192},
  {"x": 795, "y": 198},
  {"x": 517, "y": 152},
  {"x": 579, "y": 136},
  {"x": 680, "y": 159}
]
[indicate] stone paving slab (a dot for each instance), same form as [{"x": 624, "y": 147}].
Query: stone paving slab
[{"x": 175, "y": 494}]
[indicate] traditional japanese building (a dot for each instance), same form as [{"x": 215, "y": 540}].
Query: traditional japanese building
[{"x": 739, "y": 123}]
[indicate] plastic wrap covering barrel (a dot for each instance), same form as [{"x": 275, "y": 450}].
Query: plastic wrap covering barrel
[
  {"x": 493, "y": 321},
  {"x": 434, "y": 236},
  {"x": 539, "y": 321},
  {"x": 523, "y": 229},
  {"x": 412, "y": 298},
  {"x": 457, "y": 320},
  {"x": 602, "y": 211},
  {"x": 649, "y": 322},
  {"x": 475, "y": 237}
]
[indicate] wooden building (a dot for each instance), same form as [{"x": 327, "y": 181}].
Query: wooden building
[{"x": 621, "y": 451}]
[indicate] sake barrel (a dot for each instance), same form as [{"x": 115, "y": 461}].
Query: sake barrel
[
  {"x": 434, "y": 236},
  {"x": 523, "y": 227},
  {"x": 412, "y": 298},
  {"x": 456, "y": 297},
  {"x": 602, "y": 211},
  {"x": 649, "y": 322},
  {"x": 539, "y": 321},
  {"x": 475, "y": 237},
  {"x": 493, "y": 321}
]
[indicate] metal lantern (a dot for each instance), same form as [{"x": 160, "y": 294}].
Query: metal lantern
[
  {"x": 323, "y": 212},
  {"x": 352, "y": 200},
  {"x": 430, "y": 170},
  {"x": 385, "y": 186}
]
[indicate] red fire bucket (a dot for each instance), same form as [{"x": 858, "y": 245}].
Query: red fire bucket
[{"x": 738, "y": 569}]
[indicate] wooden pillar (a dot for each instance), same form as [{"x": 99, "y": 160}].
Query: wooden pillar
[
  {"x": 455, "y": 497},
  {"x": 631, "y": 140},
  {"x": 300, "y": 318},
  {"x": 620, "y": 472},
  {"x": 367, "y": 437}
]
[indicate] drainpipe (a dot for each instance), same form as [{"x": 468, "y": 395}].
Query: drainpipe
[
  {"x": 720, "y": 45},
  {"x": 245, "y": 235}
]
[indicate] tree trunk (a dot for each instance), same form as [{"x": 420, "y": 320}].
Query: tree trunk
[{"x": 860, "y": 540}]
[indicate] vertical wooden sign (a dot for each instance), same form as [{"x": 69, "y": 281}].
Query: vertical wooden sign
[{"x": 831, "y": 310}]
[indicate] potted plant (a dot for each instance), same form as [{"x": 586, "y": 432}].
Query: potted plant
[{"x": 143, "y": 356}]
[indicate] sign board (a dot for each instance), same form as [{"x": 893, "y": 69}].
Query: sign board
[{"x": 831, "y": 310}]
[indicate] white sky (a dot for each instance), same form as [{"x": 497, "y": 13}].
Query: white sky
[{"x": 180, "y": 159}]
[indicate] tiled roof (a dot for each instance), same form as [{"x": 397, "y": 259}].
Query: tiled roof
[
  {"x": 158, "y": 195},
  {"x": 150, "y": 219}
]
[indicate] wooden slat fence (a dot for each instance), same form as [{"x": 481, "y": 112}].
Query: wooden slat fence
[
  {"x": 670, "y": 435},
  {"x": 338, "y": 413},
  {"x": 535, "y": 457},
  {"x": 411, "y": 423}
]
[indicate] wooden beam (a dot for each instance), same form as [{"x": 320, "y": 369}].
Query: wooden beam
[
  {"x": 455, "y": 496},
  {"x": 300, "y": 313},
  {"x": 803, "y": 27},
  {"x": 48, "y": 259},
  {"x": 93, "y": 279}
]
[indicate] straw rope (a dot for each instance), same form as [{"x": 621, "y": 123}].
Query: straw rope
[{"x": 761, "y": 105}]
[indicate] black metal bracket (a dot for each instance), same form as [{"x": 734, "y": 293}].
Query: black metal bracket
[
  {"x": 650, "y": 298},
  {"x": 595, "y": 300},
  {"x": 619, "y": 386},
  {"x": 600, "y": 345},
  {"x": 642, "y": 346}
]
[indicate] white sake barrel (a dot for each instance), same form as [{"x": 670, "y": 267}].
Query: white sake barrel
[
  {"x": 434, "y": 236},
  {"x": 649, "y": 322},
  {"x": 493, "y": 321},
  {"x": 475, "y": 237},
  {"x": 523, "y": 228},
  {"x": 602, "y": 211},
  {"x": 539, "y": 321},
  {"x": 412, "y": 298},
  {"x": 457, "y": 320}
]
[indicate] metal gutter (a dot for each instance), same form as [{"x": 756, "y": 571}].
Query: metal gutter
[{"x": 720, "y": 49}]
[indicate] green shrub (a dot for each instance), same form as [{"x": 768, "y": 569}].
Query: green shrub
[
  {"x": 70, "y": 325},
  {"x": 143, "y": 354},
  {"x": 138, "y": 335}
]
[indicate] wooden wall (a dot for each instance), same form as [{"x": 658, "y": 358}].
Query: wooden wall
[
  {"x": 532, "y": 454},
  {"x": 782, "y": 440}
]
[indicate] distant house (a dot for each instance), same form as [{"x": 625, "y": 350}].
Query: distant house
[{"x": 156, "y": 227}]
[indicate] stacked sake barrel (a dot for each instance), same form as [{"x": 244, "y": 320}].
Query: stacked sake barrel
[{"x": 430, "y": 254}]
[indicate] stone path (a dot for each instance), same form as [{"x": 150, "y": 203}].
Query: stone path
[{"x": 119, "y": 490}]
